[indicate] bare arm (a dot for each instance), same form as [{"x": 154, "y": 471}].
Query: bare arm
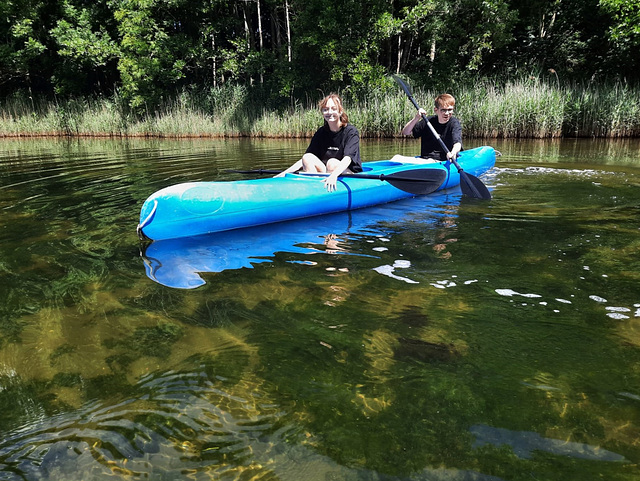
[
  {"x": 408, "y": 129},
  {"x": 340, "y": 166},
  {"x": 454, "y": 151}
]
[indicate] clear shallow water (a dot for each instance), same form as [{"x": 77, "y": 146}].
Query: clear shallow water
[{"x": 435, "y": 338}]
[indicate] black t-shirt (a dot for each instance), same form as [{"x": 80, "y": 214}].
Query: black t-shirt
[
  {"x": 326, "y": 145},
  {"x": 450, "y": 133}
]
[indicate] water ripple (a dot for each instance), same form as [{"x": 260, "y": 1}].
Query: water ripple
[{"x": 175, "y": 415}]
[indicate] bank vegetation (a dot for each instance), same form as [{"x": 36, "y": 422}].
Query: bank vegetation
[
  {"x": 257, "y": 67},
  {"x": 528, "y": 108}
]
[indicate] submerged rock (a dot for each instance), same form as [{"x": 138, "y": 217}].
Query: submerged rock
[{"x": 425, "y": 351}]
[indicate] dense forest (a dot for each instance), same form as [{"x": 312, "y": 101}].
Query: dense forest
[{"x": 145, "y": 50}]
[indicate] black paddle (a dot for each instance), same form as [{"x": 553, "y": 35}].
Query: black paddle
[
  {"x": 414, "y": 181},
  {"x": 471, "y": 186}
]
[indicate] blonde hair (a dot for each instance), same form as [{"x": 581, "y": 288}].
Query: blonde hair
[
  {"x": 445, "y": 100},
  {"x": 344, "y": 118}
]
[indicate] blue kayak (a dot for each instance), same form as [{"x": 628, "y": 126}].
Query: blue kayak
[
  {"x": 186, "y": 262},
  {"x": 195, "y": 208}
]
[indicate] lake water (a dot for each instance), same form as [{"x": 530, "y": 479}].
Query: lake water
[{"x": 437, "y": 338}]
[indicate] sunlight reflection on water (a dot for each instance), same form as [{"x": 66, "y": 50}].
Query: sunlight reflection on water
[
  {"x": 433, "y": 338},
  {"x": 213, "y": 433},
  {"x": 185, "y": 415}
]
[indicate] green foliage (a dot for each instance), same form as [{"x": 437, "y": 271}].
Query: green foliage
[
  {"x": 147, "y": 60},
  {"x": 568, "y": 36},
  {"x": 23, "y": 43},
  {"x": 626, "y": 16},
  {"x": 85, "y": 47},
  {"x": 530, "y": 107},
  {"x": 624, "y": 32},
  {"x": 81, "y": 41},
  {"x": 147, "y": 51}
]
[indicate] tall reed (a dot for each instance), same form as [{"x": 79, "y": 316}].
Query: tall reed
[
  {"x": 603, "y": 111},
  {"x": 530, "y": 108},
  {"x": 516, "y": 109}
]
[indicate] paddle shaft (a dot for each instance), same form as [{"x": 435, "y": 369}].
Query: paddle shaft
[
  {"x": 394, "y": 176},
  {"x": 433, "y": 131},
  {"x": 413, "y": 181},
  {"x": 470, "y": 185}
]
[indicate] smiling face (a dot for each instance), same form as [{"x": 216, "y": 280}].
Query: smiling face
[
  {"x": 331, "y": 111},
  {"x": 445, "y": 104},
  {"x": 444, "y": 114}
]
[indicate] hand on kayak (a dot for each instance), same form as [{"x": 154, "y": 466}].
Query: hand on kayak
[{"x": 330, "y": 182}]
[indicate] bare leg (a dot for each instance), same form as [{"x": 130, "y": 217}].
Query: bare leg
[
  {"x": 311, "y": 163},
  {"x": 341, "y": 165}
]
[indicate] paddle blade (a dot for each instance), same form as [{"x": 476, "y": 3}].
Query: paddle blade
[
  {"x": 473, "y": 187},
  {"x": 417, "y": 181},
  {"x": 403, "y": 85}
]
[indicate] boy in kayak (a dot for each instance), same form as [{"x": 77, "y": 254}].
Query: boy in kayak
[
  {"x": 447, "y": 126},
  {"x": 334, "y": 148}
]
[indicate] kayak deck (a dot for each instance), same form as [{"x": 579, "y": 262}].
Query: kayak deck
[{"x": 195, "y": 208}]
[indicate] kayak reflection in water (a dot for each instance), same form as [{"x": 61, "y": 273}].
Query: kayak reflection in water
[{"x": 334, "y": 148}]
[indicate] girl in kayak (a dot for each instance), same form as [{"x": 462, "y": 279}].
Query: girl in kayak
[{"x": 334, "y": 148}]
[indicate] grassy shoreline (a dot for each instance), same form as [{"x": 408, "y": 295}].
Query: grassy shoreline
[{"x": 519, "y": 109}]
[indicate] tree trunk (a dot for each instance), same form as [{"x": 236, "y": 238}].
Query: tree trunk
[
  {"x": 248, "y": 35},
  {"x": 399, "y": 59},
  {"x": 544, "y": 29},
  {"x": 432, "y": 56},
  {"x": 260, "y": 39},
  {"x": 407, "y": 54},
  {"x": 276, "y": 41},
  {"x": 214, "y": 65},
  {"x": 286, "y": 11}
]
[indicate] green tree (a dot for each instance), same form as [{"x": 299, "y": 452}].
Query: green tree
[
  {"x": 487, "y": 25},
  {"x": 626, "y": 16},
  {"x": 336, "y": 44},
  {"x": 444, "y": 39},
  {"x": 153, "y": 48},
  {"x": 86, "y": 45},
  {"x": 24, "y": 27},
  {"x": 624, "y": 33},
  {"x": 567, "y": 36}
]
